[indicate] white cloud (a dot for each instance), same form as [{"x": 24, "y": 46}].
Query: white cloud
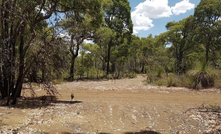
[
  {"x": 182, "y": 7},
  {"x": 146, "y": 10},
  {"x": 141, "y": 22},
  {"x": 65, "y": 36},
  {"x": 88, "y": 41},
  {"x": 154, "y": 9}
]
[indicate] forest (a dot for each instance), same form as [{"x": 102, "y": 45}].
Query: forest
[{"x": 51, "y": 41}]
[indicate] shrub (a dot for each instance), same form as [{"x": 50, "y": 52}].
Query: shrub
[
  {"x": 81, "y": 71},
  {"x": 160, "y": 82},
  {"x": 203, "y": 76},
  {"x": 57, "y": 81},
  {"x": 150, "y": 78},
  {"x": 159, "y": 72},
  {"x": 109, "y": 76},
  {"x": 132, "y": 75},
  {"x": 184, "y": 81},
  {"x": 217, "y": 83},
  {"x": 171, "y": 82}
]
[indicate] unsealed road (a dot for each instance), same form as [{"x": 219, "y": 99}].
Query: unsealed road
[{"x": 120, "y": 106}]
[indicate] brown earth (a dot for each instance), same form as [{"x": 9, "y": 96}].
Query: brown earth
[{"x": 121, "y": 106}]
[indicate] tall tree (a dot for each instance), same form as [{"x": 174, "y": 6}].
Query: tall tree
[
  {"x": 207, "y": 15},
  {"x": 134, "y": 51},
  {"x": 118, "y": 19},
  {"x": 82, "y": 26},
  {"x": 181, "y": 35}
]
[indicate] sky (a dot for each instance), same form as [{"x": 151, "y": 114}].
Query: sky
[{"x": 151, "y": 16}]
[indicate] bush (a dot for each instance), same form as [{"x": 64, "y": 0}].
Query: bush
[
  {"x": 160, "y": 82},
  {"x": 132, "y": 75},
  {"x": 150, "y": 78},
  {"x": 81, "y": 71},
  {"x": 57, "y": 81},
  {"x": 217, "y": 83},
  {"x": 93, "y": 72},
  {"x": 159, "y": 72},
  {"x": 171, "y": 82},
  {"x": 203, "y": 76},
  {"x": 109, "y": 76},
  {"x": 184, "y": 81}
]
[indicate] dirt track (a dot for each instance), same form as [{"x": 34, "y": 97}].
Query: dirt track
[{"x": 119, "y": 106}]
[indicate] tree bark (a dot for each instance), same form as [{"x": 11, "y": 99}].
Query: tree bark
[
  {"x": 21, "y": 63},
  {"x": 74, "y": 54},
  {"x": 207, "y": 53},
  {"x": 6, "y": 49},
  {"x": 72, "y": 67},
  {"x": 180, "y": 62},
  {"x": 108, "y": 59},
  {"x": 142, "y": 67},
  {"x": 1, "y": 84}
]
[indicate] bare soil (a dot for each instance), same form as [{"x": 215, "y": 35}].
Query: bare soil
[{"x": 113, "y": 106}]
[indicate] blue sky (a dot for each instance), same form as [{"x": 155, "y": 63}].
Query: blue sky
[{"x": 151, "y": 16}]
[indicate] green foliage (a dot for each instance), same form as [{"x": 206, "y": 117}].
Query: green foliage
[
  {"x": 110, "y": 76},
  {"x": 151, "y": 77},
  {"x": 115, "y": 35},
  {"x": 171, "y": 82},
  {"x": 160, "y": 82},
  {"x": 93, "y": 72},
  {"x": 159, "y": 72},
  {"x": 57, "y": 81},
  {"x": 81, "y": 71},
  {"x": 132, "y": 75},
  {"x": 184, "y": 81},
  {"x": 213, "y": 108},
  {"x": 207, "y": 17}
]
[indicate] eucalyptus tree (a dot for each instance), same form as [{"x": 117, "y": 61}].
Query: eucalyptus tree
[
  {"x": 133, "y": 52},
  {"x": 147, "y": 48},
  {"x": 118, "y": 19},
  {"x": 20, "y": 21},
  {"x": 105, "y": 34},
  {"x": 81, "y": 26},
  {"x": 181, "y": 36},
  {"x": 207, "y": 16}
]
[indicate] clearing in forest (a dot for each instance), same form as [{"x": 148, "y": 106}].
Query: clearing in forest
[{"x": 121, "y": 106}]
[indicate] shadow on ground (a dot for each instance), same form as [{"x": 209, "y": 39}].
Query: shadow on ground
[
  {"x": 141, "y": 132},
  {"x": 37, "y": 102}
]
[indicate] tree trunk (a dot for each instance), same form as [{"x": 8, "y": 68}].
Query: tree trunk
[
  {"x": 103, "y": 65},
  {"x": 108, "y": 60},
  {"x": 74, "y": 54},
  {"x": 113, "y": 67},
  {"x": 135, "y": 64},
  {"x": 8, "y": 38},
  {"x": 1, "y": 84},
  {"x": 180, "y": 62},
  {"x": 43, "y": 73},
  {"x": 72, "y": 67},
  {"x": 6, "y": 50},
  {"x": 33, "y": 75},
  {"x": 21, "y": 64},
  {"x": 207, "y": 52},
  {"x": 142, "y": 67}
]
